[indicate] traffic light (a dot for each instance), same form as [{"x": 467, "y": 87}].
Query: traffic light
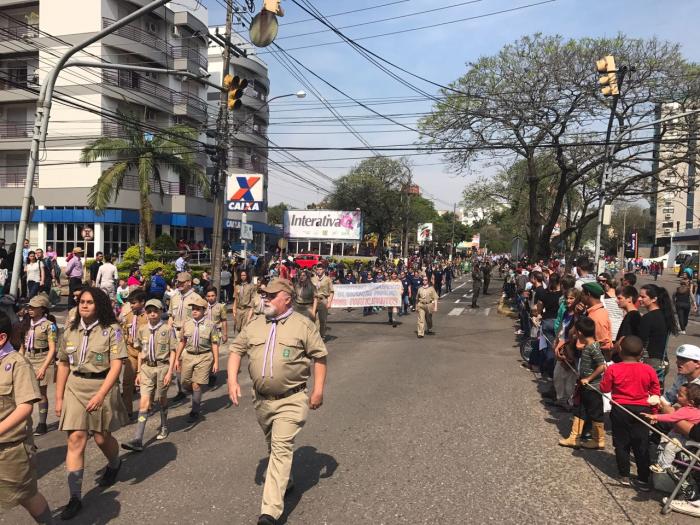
[
  {"x": 235, "y": 86},
  {"x": 608, "y": 80},
  {"x": 273, "y": 6}
]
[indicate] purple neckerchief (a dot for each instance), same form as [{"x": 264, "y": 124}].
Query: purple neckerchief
[
  {"x": 209, "y": 309},
  {"x": 86, "y": 337},
  {"x": 152, "y": 341},
  {"x": 29, "y": 340},
  {"x": 132, "y": 328},
  {"x": 272, "y": 339},
  {"x": 181, "y": 306},
  {"x": 195, "y": 336},
  {"x": 6, "y": 350}
]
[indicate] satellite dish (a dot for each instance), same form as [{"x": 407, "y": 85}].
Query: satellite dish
[{"x": 263, "y": 28}]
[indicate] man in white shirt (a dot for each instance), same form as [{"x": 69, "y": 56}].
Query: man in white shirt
[{"x": 108, "y": 277}]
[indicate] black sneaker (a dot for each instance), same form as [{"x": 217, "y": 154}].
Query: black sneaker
[
  {"x": 192, "y": 417},
  {"x": 134, "y": 445},
  {"x": 71, "y": 509},
  {"x": 41, "y": 429},
  {"x": 109, "y": 478},
  {"x": 179, "y": 397},
  {"x": 641, "y": 486},
  {"x": 266, "y": 519}
]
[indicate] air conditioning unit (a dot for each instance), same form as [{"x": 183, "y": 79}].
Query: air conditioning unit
[{"x": 151, "y": 27}]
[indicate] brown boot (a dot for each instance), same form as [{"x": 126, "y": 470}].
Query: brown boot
[
  {"x": 574, "y": 439},
  {"x": 598, "y": 441}
]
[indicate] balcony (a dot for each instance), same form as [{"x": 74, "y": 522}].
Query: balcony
[
  {"x": 15, "y": 130},
  {"x": 131, "y": 182},
  {"x": 20, "y": 32},
  {"x": 14, "y": 178},
  {"x": 138, "y": 41},
  {"x": 191, "y": 55}
]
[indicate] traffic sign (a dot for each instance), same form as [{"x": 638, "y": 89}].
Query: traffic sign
[{"x": 86, "y": 233}]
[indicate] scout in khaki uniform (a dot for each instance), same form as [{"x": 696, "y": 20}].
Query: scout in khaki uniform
[
  {"x": 39, "y": 346},
  {"x": 87, "y": 391},
  {"x": 280, "y": 346},
  {"x": 305, "y": 299},
  {"x": 179, "y": 311},
  {"x": 324, "y": 291},
  {"x": 216, "y": 313},
  {"x": 19, "y": 390},
  {"x": 426, "y": 304},
  {"x": 200, "y": 343},
  {"x": 131, "y": 322},
  {"x": 243, "y": 302},
  {"x": 158, "y": 345}
]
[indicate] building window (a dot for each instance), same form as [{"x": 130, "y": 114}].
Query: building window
[
  {"x": 182, "y": 232},
  {"x": 8, "y": 231},
  {"x": 65, "y": 237},
  {"x": 118, "y": 237}
]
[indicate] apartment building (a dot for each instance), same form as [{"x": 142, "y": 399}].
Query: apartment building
[
  {"x": 32, "y": 35},
  {"x": 247, "y": 153}
]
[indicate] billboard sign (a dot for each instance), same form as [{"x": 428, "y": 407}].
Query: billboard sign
[
  {"x": 245, "y": 193},
  {"x": 323, "y": 224},
  {"x": 425, "y": 233}
]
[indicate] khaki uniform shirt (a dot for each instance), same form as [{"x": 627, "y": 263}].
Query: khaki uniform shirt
[
  {"x": 104, "y": 345},
  {"x": 165, "y": 341},
  {"x": 427, "y": 295},
  {"x": 18, "y": 385},
  {"x": 43, "y": 333},
  {"x": 72, "y": 313},
  {"x": 208, "y": 336},
  {"x": 179, "y": 317},
  {"x": 324, "y": 286},
  {"x": 216, "y": 313},
  {"x": 304, "y": 295},
  {"x": 126, "y": 322},
  {"x": 245, "y": 293},
  {"x": 288, "y": 364}
]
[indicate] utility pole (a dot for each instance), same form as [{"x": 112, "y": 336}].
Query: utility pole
[
  {"x": 219, "y": 177},
  {"x": 454, "y": 221}
]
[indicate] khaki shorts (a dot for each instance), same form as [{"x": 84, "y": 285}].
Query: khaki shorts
[
  {"x": 151, "y": 380},
  {"x": 196, "y": 368},
  {"x": 37, "y": 361},
  {"x": 17, "y": 475}
]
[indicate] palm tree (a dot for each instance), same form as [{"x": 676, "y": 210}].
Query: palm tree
[{"x": 146, "y": 154}]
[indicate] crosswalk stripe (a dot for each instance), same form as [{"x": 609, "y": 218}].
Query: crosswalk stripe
[{"x": 456, "y": 311}]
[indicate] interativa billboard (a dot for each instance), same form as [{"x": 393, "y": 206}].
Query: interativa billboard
[{"x": 323, "y": 225}]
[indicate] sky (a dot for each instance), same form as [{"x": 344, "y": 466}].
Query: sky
[{"x": 439, "y": 53}]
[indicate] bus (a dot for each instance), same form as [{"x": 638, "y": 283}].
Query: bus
[{"x": 681, "y": 258}]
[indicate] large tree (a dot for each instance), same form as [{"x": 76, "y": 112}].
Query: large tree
[
  {"x": 540, "y": 94},
  {"x": 143, "y": 155}
]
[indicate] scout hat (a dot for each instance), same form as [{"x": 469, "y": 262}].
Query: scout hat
[
  {"x": 184, "y": 276},
  {"x": 594, "y": 289},
  {"x": 154, "y": 302},
  {"x": 77, "y": 250},
  {"x": 40, "y": 301},
  {"x": 691, "y": 352},
  {"x": 278, "y": 285},
  {"x": 199, "y": 301}
]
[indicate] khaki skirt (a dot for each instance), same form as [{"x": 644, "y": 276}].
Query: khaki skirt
[
  {"x": 37, "y": 361},
  {"x": 79, "y": 390}
]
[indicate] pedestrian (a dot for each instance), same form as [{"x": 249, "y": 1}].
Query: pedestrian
[
  {"x": 656, "y": 327},
  {"x": 476, "y": 284},
  {"x": 449, "y": 275},
  {"x": 39, "y": 347},
  {"x": 19, "y": 391},
  {"x": 158, "y": 285},
  {"x": 87, "y": 395},
  {"x": 609, "y": 299},
  {"x": 280, "y": 373},
  {"x": 226, "y": 285},
  {"x": 405, "y": 294},
  {"x": 131, "y": 320},
  {"x": 324, "y": 291},
  {"x": 564, "y": 377},
  {"x": 107, "y": 277},
  {"x": 74, "y": 272},
  {"x": 426, "y": 304},
  {"x": 216, "y": 313},
  {"x": 438, "y": 276},
  {"x": 157, "y": 347},
  {"x": 135, "y": 280},
  {"x": 47, "y": 267},
  {"x": 35, "y": 273},
  {"x": 179, "y": 311},
  {"x": 631, "y": 383},
  {"x": 683, "y": 302},
  {"x": 199, "y": 340},
  {"x": 122, "y": 293},
  {"x": 486, "y": 270},
  {"x": 595, "y": 310},
  {"x": 591, "y": 368},
  {"x": 181, "y": 262},
  {"x": 305, "y": 298},
  {"x": 394, "y": 309},
  {"x": 95, "y": 268},
  {"x": 630, "y": 325},
  {"x": 243, "y": 302}
]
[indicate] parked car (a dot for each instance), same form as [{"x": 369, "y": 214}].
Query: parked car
[{"x": 308, "y": 260}]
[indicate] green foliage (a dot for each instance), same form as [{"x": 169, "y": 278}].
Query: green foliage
[
  {"x": 164, "y": 243},
  {"x": 150, "y": 267},
  {"x": 275, "y": 213},
  {"x": 131, "y": 255}
]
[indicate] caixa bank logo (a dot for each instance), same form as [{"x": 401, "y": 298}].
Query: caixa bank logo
[{"x": 245, "y": 193}]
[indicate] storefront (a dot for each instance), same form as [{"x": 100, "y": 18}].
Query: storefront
[{"x": 323, "y": 232}]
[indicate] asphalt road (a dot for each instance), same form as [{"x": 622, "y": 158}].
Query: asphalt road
[{"x": 446, "y": 429}]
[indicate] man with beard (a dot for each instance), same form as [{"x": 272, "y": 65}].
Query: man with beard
[{"x": 281, "y": 346}]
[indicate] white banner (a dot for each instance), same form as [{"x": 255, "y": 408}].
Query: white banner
[
  {"x": 323, "y": 224},
  {"x": 368, "y": 294}
]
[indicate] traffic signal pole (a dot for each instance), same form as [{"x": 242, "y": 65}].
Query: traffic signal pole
[{"x": 219, "y": 177}]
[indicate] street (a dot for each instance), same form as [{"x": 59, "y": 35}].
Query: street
[{"x": 445, "y": 429}]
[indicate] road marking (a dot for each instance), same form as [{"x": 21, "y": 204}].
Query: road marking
[
  {"x": 456, "y": 301},
  {"x": 456, "y": 311},
  {"x": 487, "y": 311},
  {"x": 458, "y": 287}
]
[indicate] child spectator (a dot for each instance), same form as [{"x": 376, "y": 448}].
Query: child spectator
[
  {"x": 591, "y": 367},
  {"x": 631, "y": 383},
  {"x": 122, "y": 292},
  {"x": 564, "y": 377},
  {"x": 689, "y": 401}
]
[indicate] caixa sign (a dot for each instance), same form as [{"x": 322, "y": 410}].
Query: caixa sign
[
  {"x": 245, "y": 206},
  {"x": 245, "y": 193}
]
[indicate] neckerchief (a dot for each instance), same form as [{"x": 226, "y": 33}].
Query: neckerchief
[
  {"x": 132, "y": 328},
  {"x": 6, "y": 350},
  {"x": 84, "y": 342},
  {"x": 195, "y": 336},
  {"x": 181, "y": 307},
  {"x": 29, "y": 340},
  {"x": 272, "y": 339},
  {"x": 210, "y": 307},
  {"x": 152, "y": 341}
]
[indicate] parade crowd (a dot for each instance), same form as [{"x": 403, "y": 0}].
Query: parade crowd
[{"x": 588, "y": 334}]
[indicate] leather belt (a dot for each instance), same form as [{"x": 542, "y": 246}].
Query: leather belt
[
  {"x": 277, "y": 397},
  {"x": 39, "y": 350},
  {"x": 5, "y": 446},
  {"x": 199, "y": 353},
  {"x": 91, "y": 375},
  {"x": 156, "y": 362}
]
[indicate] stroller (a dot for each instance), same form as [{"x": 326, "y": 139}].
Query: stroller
[{"x": 686, "y": 474}]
